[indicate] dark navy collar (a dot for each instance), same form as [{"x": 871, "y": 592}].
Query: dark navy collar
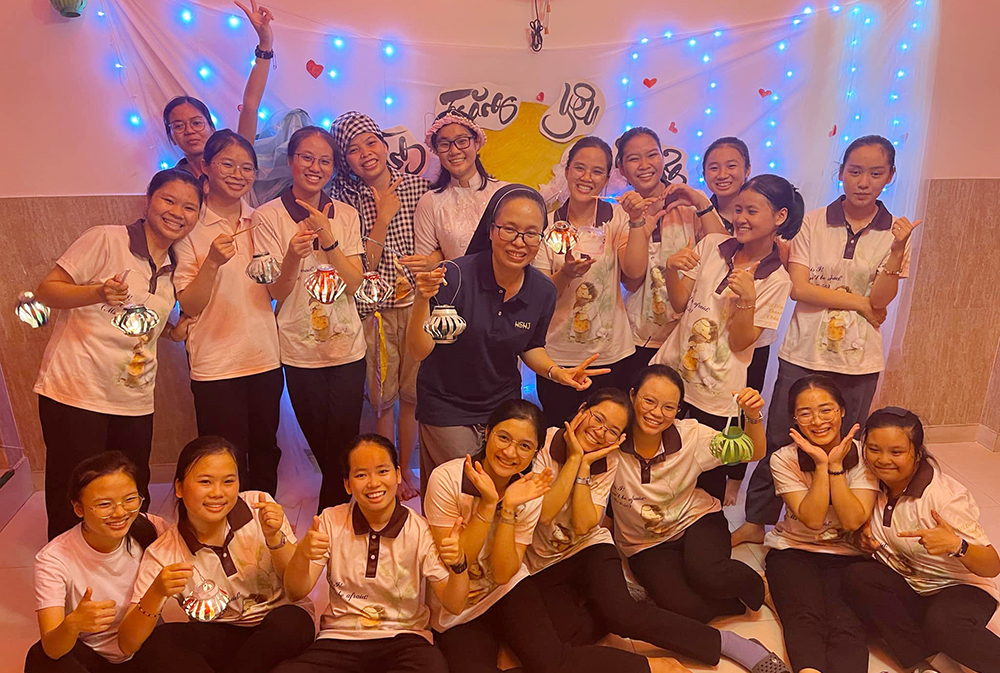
[
  {"x": 139, "y": 247},
  {"x": 605, "y": 211},
  {"x": 392, "y": 529},
  {"x": 728, "y": 249},
  {"x": 297, "y": 212}
]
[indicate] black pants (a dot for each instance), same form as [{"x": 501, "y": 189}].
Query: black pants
[
  {"x": 245, "y": 410},
  {"x": 71, "y": 435},
  {"x": 158, "y": 654},
  {"x": 560, "y": 403},
  {"x": 916, "y": 627},
  {"x": 694, "y": 575},
  {"x": 328, "y": 403},
  {"x": 520, "y": 620},
  {"x": 589, "y": 588},
  {"x": 226, "y": 648},
  {"x": 821, "y": 630},
  {"x": 763, "y": 506},
  {"x": 634, "y": 364},
  {"x": 406, "y": 653}
]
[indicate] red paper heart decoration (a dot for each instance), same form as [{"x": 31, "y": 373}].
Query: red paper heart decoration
[
  {"x": 314, "y": 68},
  {"x": 239, "y": 108},
  {"x": 833, "y": 131},
  {"x": 649, "y": 82},
  {"x": 672, "y": 128},
  {"x": 540, "y": 97},
  {"x": 764, "y": 93}
]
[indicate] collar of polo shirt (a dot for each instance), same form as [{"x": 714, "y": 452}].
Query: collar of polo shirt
[
  {"x": 488, "y": 281},
  {"x": 835, "y": 218},
  {"x": 851, "y": 460},
  {"x": 605, "y": 211},
  {"x": 392, "y": 529},
  {"x": 727, "y": 223},
  {"x": 210, "y": 218},
  {"x": 915, "y": 489},
  {"x": 237, "y": 518},
  {"x": 297, "y": 212},
  {"x": 558, "y": 449},
  {"x": 728, "y": 249},
  {"x": 139, "y": 247},
  {"x": 670, "y": 441}
]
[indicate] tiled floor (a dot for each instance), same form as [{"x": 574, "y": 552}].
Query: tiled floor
[{"x": 973, "y": 465}]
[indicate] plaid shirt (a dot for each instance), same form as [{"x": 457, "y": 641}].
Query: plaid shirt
[{"x": 399, "y": 235}]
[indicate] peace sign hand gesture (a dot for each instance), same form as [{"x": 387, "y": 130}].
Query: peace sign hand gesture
[
  {"x": 388, "y": 204},
  {"x": 941, "y": 540},
  {"x": 578, "y": 377},
  {"x": 260, "y": 18}
]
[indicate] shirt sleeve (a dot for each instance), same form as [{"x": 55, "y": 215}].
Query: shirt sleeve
[
  {"x": 620, "y": 228},
  {"x": 352, "y": 243},
  {"x": 149, "y": 569},
  {"x": 799, "y": 250},
  {"x": 703, "y": 447},
  {"x": 267, "y": 235},
  {"x": 441, "y": 501},
  {"x": 861, "y": 478},
  {"x": 771, "y": 300},
  {"x": 187, "y": 264},
  {"x": 431, "y": 565},
  {"x": 600, "y": 485},
  {"x": 51, "y": 587},
  {"x": 788, "y": 478},
  {"x": 87, "y": 257},
  {"x": 541, "y": 329},
  {"x": 425, "y": 239},
  {"x": 962, "y": 513}
]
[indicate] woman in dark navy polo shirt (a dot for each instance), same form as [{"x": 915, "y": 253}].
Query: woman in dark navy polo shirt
[{"x": 507, "y": 305}]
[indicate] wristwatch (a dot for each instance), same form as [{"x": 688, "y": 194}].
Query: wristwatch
[
  {"x": 332, "y": 247},
  {"x": 461, "y": 566},
  {"x": 962, "y": 550},
  {"x": 280, "y": 544}
]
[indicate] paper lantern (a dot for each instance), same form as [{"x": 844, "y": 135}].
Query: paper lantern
[
  {"x": 325, "y": 285},
  {"x": 263, "y": 268},
  {"x": 69, "y": 8},
  {"x": 373, "y": 290},
  {"x": 207, "y": 602},
  {"x": 444, "y": 324},
  {"x": 561, "y": 237},
  {"x": 135, "y": 320},
  {"x": 732, "y": 445},
  {"x": 31, "y": 311}
]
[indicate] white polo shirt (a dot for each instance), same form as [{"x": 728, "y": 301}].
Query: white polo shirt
[
  {"x": 242, "y": 566},
  {"x": 67, "y": 565},
  {"x": 793, "y": 473},
  {"x": 450, "y": 495},
  {"x": 929, "y": 490},
  {"x": 447, "y": 221},
  {"x": 590, "y": 313},
  {"x": 656, "y": 500},
  {"x": 832, "y": 340},
  {"x": 376, "y": 578},
  {"x": 312, "y": 334},
  {"x": 648, "y": 308},
  {"x": 89, "y": 363},
  {"x": 557, "y": 540},
  {"x": 235, "y": 335},
  {"x": 699, "y": 347}
]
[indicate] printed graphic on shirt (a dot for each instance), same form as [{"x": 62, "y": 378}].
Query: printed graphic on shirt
[
  {"x": 657, "y": 518},
  {"x": 707, "y": 349},
  {"x": 656, "y": 310},
  {"x": 844, "y": 332},
  {"x": 481, "y": 582},
  {"x": 585, "y": 325},
  {"x": 137, "y": 371}
]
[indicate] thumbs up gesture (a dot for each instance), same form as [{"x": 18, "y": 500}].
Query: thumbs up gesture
[
  {"x": 940, "y": 540},
  {"x": 91, "y": 616},
  {"x": 741, "y": 283},
  {"x": 315, "y": 544},
  {"x": 684, "y": 259},
  {"x": 271, "y": 516},
  {"x": 451, "y": 546}
]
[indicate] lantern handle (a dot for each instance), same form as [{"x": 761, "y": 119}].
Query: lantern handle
[
  {"x": 458, "y": 286},
  {"x": 383, "y": 246}
]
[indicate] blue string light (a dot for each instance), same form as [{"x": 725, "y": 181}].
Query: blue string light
[
  {"x": 388, "y": 100},
  {"x": 706, "y": 58},
  {"x": 389, "y": 50},
  {"x": 333, "y": 74},
  {"x": 668, "y": 34},
  {"x": 135, "y": 120},
  {"x": 234, "y": 21},
  {"x": 692, "y": 42},
  {"x": 164, "y": 165},
  {"x": 204, "y": 72},
  {"x": 187, "y": 16},
  {"x": 624, "y": 81},
  {"x": 338, "y": 43}
]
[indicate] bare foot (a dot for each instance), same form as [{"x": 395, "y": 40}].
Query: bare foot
[
  {"x": 666, "y": 665},
  {"x": 408, "y": 488},
  {"x": 748, "y": 532},
  {"x": 732, "y": 492}
]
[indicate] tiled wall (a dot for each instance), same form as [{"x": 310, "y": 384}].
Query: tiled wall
[
  {"x": 35, "y": 232},
  {"x": 943, "y": 366}
]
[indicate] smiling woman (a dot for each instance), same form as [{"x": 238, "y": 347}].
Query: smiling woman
[{"x": 95, "y": 384}]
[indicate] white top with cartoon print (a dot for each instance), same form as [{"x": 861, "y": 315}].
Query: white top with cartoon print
[
  {"x": 648, "y": 308},
  {"x": 89, "y": 363},
  {"x": 832, "y": 340},
  {"x": 590, "y": 313},
  {"x": 312, "y": 334},
  {"x": 699, "y": 347},
  {"x": 377, "y": 580}
]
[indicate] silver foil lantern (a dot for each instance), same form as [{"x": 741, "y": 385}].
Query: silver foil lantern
[
  {"x": 31, "y": 311},
  {"x": 444, "y": 324},
  {"x": 373, "y": 289},
  {"x": 263, "y": 268},
  {"x": 561, "y": 237},
  {"x": 207, "y": 602},
  {"x": 325, "y": 285},
  {"x": 135, "y": 320}
]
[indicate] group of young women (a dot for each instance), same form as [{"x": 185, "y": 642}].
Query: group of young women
[{"x": 647, "y": 323}]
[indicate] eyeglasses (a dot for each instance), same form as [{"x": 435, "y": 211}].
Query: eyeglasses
[
  {"x": 503, "y": 440},
  {"x": 648, "y": 404},
  {"x": 806, "y": 416},
  {"x": 107, "y": 508},
  {"x": 309, "y": 160},
  {"x": 196, "y": 124},
  {"x": 510, "y": 234},
  {"x": 579, "y": 170},
  {"x": 610, "y": 434},
  {"x": 229, "y": 168},
  {"x": 462, "y": 142}
]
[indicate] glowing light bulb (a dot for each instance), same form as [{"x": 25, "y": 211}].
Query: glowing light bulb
[
  {"x": 624, "y": 81},
  {"x": 717, "y": 33},
  {"x": 388, "y": 100},
  {"x": 900, "y": 73},
  {"x": 119, "y": 65},
  {"x": 904, "y": 46},
  {"x": 796, "y": 22},
  {"x": 389, "y": 50},
  {"x": 262, "y": 113},
  {"x": 789, "y": 73},
  {"x": 712, "y": 85},
  {"x": 857, "y": 117},
  {"x": 668, "y": 35},
  {"x": 835, "y": 8},
  {"x": 782, "y": 46},
  {"x": 700, "y": 133},
  {"x": 706, "y": 58},
  {"x": 164, "y": 165},
  {"x": 628, "y": 127},
  {"x": 204, "y": 72},
  {"x": 708, "y": 110},
  {"x": 338, "y": 43},
  {"x": 186, "y": 16},
  {"x": 644, "y": 40},
  {"x": 868, "y": 20},
  {"x": 333, "y": 74},
  {"x": 215, "y": 120},
  {"x": 634, "y": 55},
  {"x": 234, "y": 21},
  {"x": 807, "y": 10},
  {"x": 135, "y": 120},
  {"x": 772, "y": 123},
  {"x": 100, "y": 14},
  {"x": 772, "y": 165},
  {"x": 846, "y": 138},
  {"x": 768, "y": 143},
  {"x": 692, "y": 42},
  {"x": 327, "y": 122},
  {"x": 628, "y": 103}
]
